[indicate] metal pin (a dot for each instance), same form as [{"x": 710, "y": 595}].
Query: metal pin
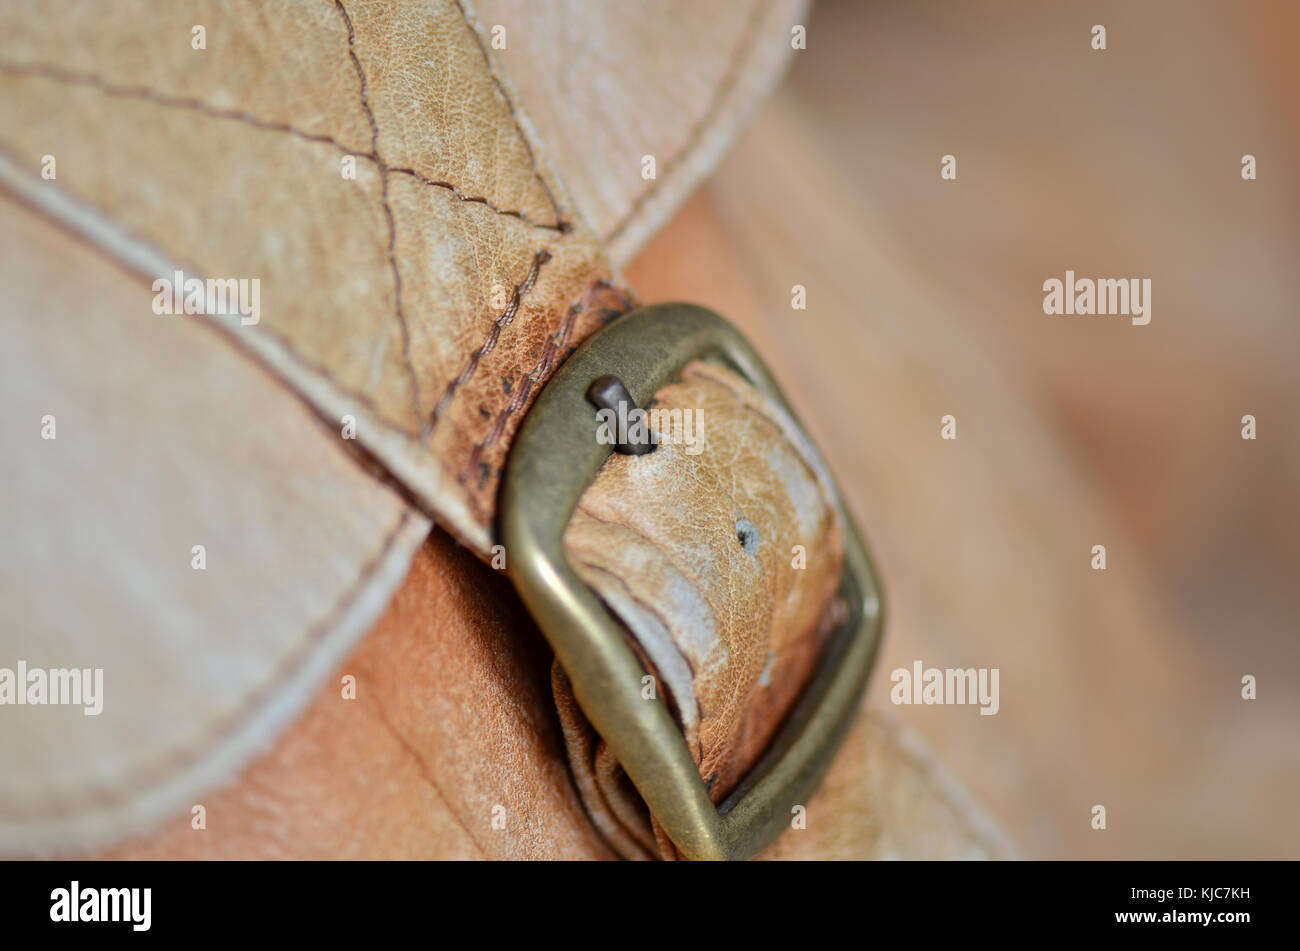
[{"x": 609, "y": 392}]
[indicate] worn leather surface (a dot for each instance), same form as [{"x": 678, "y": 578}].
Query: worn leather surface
[
  {"x": 721, "y": 558},
  {"x": 677, "y": 81},
  {"x": 170, "y": 443},
  {"x": 450, "y": 749},
  {"x": 428, "y": 297}
]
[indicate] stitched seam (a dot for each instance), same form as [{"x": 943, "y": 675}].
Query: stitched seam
[
  {"x": 219, "y": 728},
  {"x": 285, "y": 342},
  {"x": 137, "y": 238},
  {"x": 388, "y": 210},
  {"x": 747, "y": 42},
  {"x": 70, "y": 77},
  {"x": 541, "y": 371},
  {"x": 290, "y": 348},
  {"x": 489, "y": 343},
  {"x": 562, "y": 228},
  {"x": 554, "y": 344},
  {"x": 541, "y": 257},
  {"x": 514, "y": 114}
]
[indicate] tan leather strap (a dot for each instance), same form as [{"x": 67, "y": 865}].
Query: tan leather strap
[{"x": 721, "y": 557}]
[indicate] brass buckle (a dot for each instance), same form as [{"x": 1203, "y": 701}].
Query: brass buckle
[{"x": 555, "y": 457}]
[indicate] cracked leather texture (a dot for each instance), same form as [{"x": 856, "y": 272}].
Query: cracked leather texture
[
  {"x": 721, "y": 557},
  {"x": 679, "y": 91}
]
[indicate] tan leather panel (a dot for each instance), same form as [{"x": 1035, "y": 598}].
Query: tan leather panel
[
  {"x": 450, "y": 749},
  {"x": 143, "y": 49},
  {"x": 165, "y": 437},
  {"x": 426, "y": 296},
  {"x": 720, "y": 556},
  {"x": 677, "y": 81}
]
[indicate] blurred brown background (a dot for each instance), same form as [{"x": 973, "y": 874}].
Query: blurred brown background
[{"x": 1119, "y": 687}]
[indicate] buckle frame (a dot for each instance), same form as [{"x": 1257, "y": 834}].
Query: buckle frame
[{"x": 554, "y": 458}]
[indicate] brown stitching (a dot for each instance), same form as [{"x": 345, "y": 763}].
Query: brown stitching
[
  {"x": 59, "y": 74},
  {"x": 502, "y": 322},
  {"x": 542, "y": 370},
  {"x": 71, "y": 77},
  {"x": 539, "y": 373},
  {"x": 74, "y": 78},
  {"x": 564, "y": 226},
  {"x": 741, "y": 53},
  {"x": 388, "y": 211},
  {"x": 226, "y": 726},
  {"x": 284, "y": 342}
]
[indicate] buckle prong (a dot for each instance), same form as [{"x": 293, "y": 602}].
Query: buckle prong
[{"x": 610, "y": 393}]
